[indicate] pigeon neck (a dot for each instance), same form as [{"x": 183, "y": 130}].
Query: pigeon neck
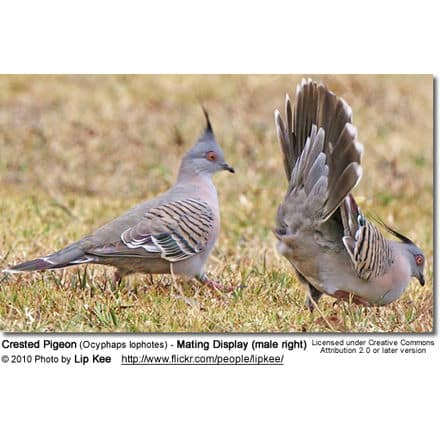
[
  {"x": 402, "y": 250},
  {"x": 191, "y": 172},
  {"x": 199, "y": 185}
]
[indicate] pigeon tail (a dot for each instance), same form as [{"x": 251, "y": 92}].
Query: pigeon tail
[
  {"x": 69, "y": 256},
  {"x": 319, "y": 115}
]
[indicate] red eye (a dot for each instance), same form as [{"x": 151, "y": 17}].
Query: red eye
[
  {"x": 419, "y": 259},
  {"x": 210, "y": 155}
]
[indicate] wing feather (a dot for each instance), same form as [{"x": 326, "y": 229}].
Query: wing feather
[
  {"x": 174, "y": 231},
  {"x": 369, "y": 250}
]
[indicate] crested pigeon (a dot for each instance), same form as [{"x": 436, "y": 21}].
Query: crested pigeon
[
  {"x": 320, "y": 228},
  {"x": 172, "y": 233}
]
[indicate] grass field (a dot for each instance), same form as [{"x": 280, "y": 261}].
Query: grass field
[{"x": 77, "y": 151}]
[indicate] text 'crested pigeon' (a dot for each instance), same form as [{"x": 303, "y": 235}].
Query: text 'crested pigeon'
[
  {"x": 333, "y": 248},
  {"x": 174, "y": 232}
]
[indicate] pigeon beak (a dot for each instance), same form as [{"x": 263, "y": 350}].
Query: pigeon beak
[
  {"x": 227, "y": 167},
  {"x": 421, "y": 279}
]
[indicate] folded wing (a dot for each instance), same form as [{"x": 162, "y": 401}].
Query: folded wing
[{"x": 174, "y": 231}]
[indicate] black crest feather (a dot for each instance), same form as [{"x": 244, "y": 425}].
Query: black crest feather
[
  {"x": 208, "y": 122},
  {"x": 392, "y": 231}
]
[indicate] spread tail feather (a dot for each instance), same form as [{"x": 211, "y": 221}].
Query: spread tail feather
[
  {"x": 320, "y": 123},
  {"x": 68, "y": 256}
]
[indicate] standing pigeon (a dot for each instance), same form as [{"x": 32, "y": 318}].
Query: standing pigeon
[
  {"x": 174, "y": 232},
  {"x": 332, "y": 247}
]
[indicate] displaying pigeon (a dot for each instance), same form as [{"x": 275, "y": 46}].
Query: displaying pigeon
[
  {"x": 174, "y": 232},
  {"x": 321, "y": 230}
]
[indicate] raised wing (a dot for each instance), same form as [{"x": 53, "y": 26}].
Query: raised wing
[{"x": 370, "y": 252}]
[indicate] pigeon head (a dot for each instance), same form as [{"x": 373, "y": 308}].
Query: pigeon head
[
  {"x": 415, "y": 255},
  {"x": 206, "y": 156},
  {"x": 417, "y": 262}
]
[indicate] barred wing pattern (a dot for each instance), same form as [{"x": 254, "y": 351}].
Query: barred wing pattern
[
  {"x": 176, "y": 230},
  {"x": 370, "y": 252}
]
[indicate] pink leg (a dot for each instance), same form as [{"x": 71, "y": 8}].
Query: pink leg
[
  {"x": 117, "y": 277},
  {"x": 214, "y": 285}
]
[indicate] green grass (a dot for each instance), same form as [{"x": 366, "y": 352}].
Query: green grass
[{"x": 77, "y": 151}]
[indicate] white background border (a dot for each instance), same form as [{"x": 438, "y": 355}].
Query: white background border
[{"x": 314, "y": 397}]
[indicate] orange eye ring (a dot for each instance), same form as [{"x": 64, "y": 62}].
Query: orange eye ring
[
  {"x": 211, "y": 156},
  {"x": 419, "y": 259}
]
